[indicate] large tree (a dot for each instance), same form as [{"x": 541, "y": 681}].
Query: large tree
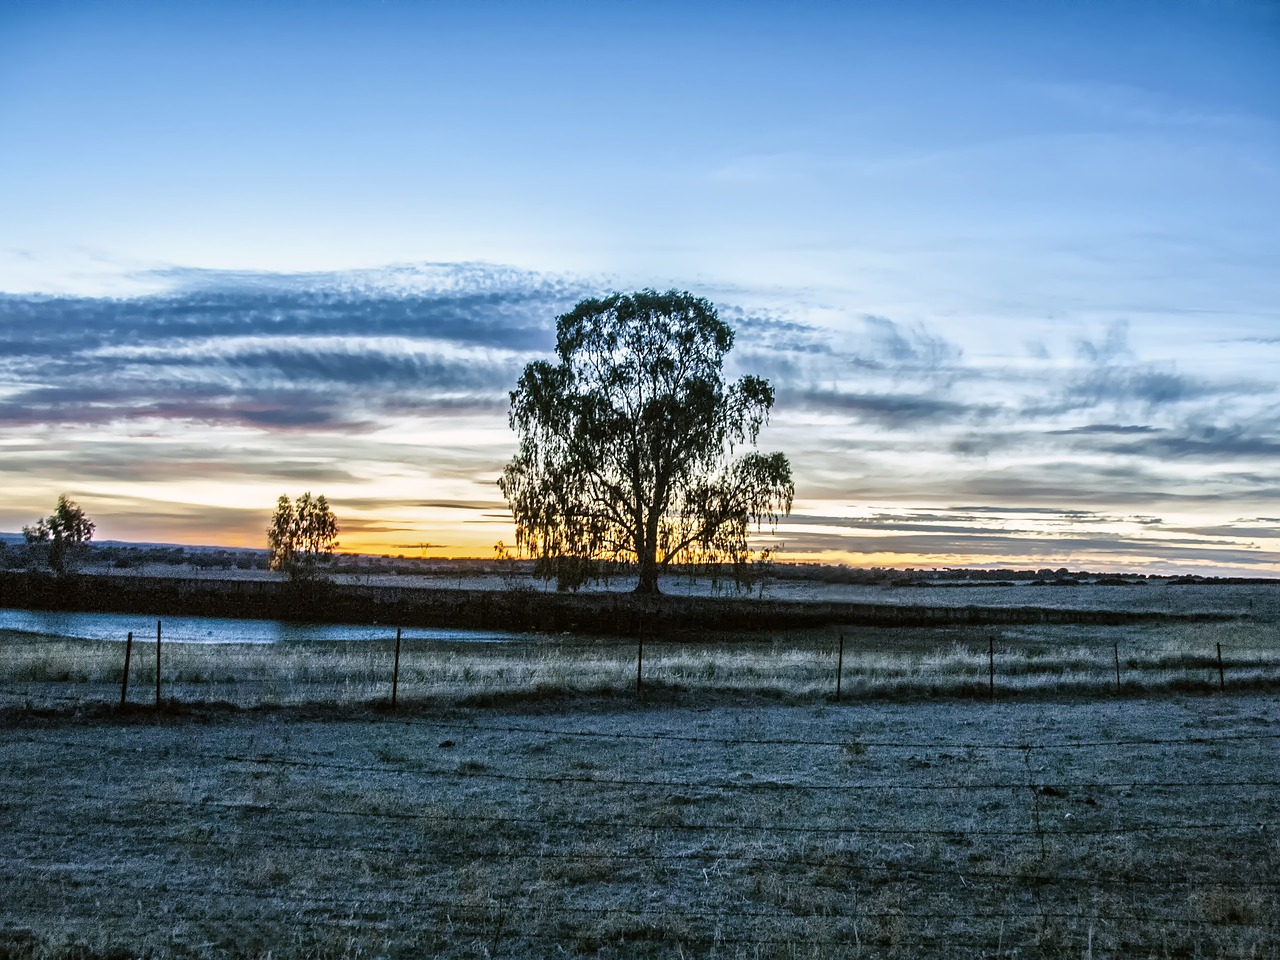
[
  {"x": 301, "y": 533},
  {"x": 631, "y": 446},
  {"x": 66, "y": 531}
]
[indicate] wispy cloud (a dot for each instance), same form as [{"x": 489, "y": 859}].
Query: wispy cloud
[
  {"x": 276, "y": 351},
  {"x": 389, "y": 390},
  {"x": 893, "y": 411}
]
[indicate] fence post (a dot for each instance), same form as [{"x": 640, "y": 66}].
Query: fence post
[
  {"x": 157, "y": 664},
  {"x": 839, "y": 667},
  {"x": 991, "y": 666},
  {"x": 1222, "y": 677},
  {"x": 639, "y": 662},
  {"x": 395, "y": 671},
  {"x": 1115, "y": 648},
  {"x": 128, "y": 652}
]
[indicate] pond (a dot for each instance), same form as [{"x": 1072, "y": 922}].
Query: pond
[{"x": 116, "y": 626}]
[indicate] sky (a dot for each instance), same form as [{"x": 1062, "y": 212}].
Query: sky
[{"x": 1012, "y": 267}]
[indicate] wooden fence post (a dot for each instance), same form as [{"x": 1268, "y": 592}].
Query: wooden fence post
[
  {"x": 128, "y": 653},
  {"x": 1115, "y": 648},
  {"x": 157, "y": 664},
  {"x": 395, "y": 671},
  {"x": 1222, "y": 677},
  {"x": 991, "y": 666},
  {"x": 839, "y": 667}
]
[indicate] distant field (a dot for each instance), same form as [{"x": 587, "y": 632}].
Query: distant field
[{"x": 1262, "y": 600}]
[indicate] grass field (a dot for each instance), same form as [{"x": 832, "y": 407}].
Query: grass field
[
  {"x": 525, "y": 800},
  {"x": 1131, "y": 828}
]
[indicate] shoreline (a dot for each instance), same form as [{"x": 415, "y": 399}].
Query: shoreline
[{"x": 519, "y": 610}]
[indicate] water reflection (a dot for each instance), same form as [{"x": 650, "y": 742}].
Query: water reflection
[{"x": 115, "y": 626}]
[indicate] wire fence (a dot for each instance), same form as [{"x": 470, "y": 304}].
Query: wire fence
[{"x": 851, "y": 669}]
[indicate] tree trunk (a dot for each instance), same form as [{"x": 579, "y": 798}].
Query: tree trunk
[
  {"x": 648, "y": 583},
  {"x": 57, "y": 557},
  {"x": 647, "y": 554}
]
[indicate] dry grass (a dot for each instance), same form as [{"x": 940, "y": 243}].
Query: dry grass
[
  {"x": 483, "y": 833},
  {"x": 1040, "y": 661}
]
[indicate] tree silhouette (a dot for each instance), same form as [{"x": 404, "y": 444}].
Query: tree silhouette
[
  {"x": 300, "y": 534},
  {"x": 627, "y": 444},
  {"x": 65, "y": 531}
]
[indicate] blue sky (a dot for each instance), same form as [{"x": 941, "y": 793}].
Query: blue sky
[{"x": 1011, "y": 266}]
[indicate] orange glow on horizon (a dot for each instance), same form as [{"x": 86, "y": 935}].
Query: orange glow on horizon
[
  {"x": 482, "y": 548},
  {"x": 884, "y": 534}
]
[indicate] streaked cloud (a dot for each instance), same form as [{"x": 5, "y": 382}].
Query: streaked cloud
[
  {"x": 334, "y": 352},
  {"x": 890, "y": 410},
  {"x": 388, "y": 391}
]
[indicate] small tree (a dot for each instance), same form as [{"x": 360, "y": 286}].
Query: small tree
[
  {"x": 630, "y": 445},
  {"x": 64, "y": 533},
  {"x": 301, "y": 534}
]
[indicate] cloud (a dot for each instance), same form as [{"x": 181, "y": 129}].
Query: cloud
[
  {"x": 1208, "y": 443},
  {"x": 1137, "y": 389},
  {"x": 338, "y": 380},
  {"x": 893, "y": 411},
  {"x": 908, "y": 347},
  {"x": 795, "y": 353},
  {"x": 968, "y": 549},
  {"x": 767, "y": 331},
  {"x": 1047, "y": 524},
  {"x": 1140, "y": 484},
  {"x": 353, "y": 525},
  {"x": 138, "y": 460},
  {"x": 339, "y": 351},
  {"x": 1231, "y": 530},
  {"x": 1111, "y": 348},
  {"x": 1026, "y": 534},
  {"x": 1145, "y": 386},
  {"x": 277, "y": 352},
  {"x": 1090, "y": 429},
  {"x": 465, "y": 304},
  {"x": 1108, "y": 374},
  {"x": 477, "y": 505}
]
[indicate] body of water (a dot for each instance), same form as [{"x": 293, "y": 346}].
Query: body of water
[{"x": 116, "y": 626}]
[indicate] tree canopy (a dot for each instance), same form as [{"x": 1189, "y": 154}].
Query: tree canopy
[
  {"x": 632, "y": 445},
  {"x": 64, "y": 531},
  {"x": 301, "y": 533}
]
